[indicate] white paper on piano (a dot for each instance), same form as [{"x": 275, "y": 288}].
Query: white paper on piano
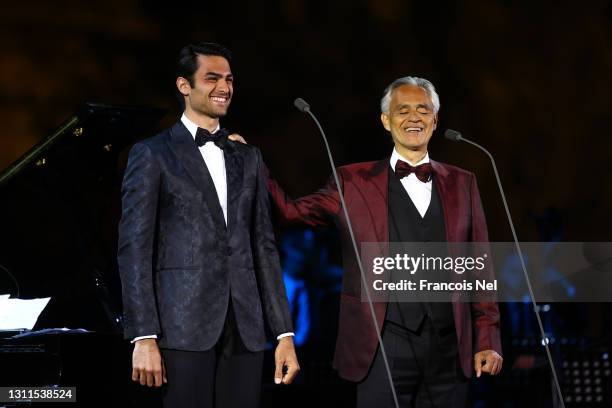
[{"x": 20, "y": 313}]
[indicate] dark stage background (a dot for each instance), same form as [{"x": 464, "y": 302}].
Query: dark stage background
[{"x": 528, "y": 80}]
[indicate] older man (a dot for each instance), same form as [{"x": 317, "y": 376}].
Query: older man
[{"x": 433, "y": 348}]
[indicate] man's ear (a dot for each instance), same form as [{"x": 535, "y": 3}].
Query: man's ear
[
  {"x": 435, "y": 121},
  {"x": 183, "y": 86},
  {"x": 385, "y": 121}
]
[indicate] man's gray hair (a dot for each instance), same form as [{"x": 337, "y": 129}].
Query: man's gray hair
[{"x": 410, "y": 80}]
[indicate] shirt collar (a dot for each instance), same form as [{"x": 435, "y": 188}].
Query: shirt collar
[
  {"x": 395, "y": 156},
  {"x": 192, "y": 127}
]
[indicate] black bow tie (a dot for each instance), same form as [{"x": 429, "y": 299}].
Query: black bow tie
[{"x": 219, "y": 137}]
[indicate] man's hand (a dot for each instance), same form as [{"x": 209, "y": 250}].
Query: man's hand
[
  {"x": 492, "y": 362},
  {"x": 147, "y": 364},
  {"x": 284, "y": 356},
  {"x": 237, "y": 138}
]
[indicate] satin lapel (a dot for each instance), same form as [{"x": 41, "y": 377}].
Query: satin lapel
[
  {"x": 234, "y": 168},
  {"x": 183, "y": 145},
  {"x": 446, "y": 185},
  {"x": 376, "y": 197}
]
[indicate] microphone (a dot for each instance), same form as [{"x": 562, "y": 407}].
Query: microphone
[
  {"x": 453, "y": 135},
  {"x": 456, "y": 137},
  {"x": 303, "y": 106}
]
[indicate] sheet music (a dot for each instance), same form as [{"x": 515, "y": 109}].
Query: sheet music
[{"x": 20, "y": 313}]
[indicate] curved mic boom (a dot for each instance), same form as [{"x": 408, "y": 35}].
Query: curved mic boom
[
  {"x": 303, "y": 106},
  {"x": 456, "y": 136}
]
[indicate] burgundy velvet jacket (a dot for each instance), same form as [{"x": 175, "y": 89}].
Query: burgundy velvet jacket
[{"x": 365, "y": 187}]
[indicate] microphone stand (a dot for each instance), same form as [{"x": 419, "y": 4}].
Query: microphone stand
[
  {"x": 457, "y": 137},
  {"x": 303, "y": 106}
]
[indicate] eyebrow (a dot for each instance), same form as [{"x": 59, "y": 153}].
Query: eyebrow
[
  {"x": 217, "y": 75},
  {"x": 421, "y": 105}
]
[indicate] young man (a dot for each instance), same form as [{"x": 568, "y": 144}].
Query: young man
[{"x": 199, "y": 267}]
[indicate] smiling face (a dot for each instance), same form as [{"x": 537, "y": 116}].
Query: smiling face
[
  {"x": 212, "y": 90},
  {"x": 411, "y": 119}
]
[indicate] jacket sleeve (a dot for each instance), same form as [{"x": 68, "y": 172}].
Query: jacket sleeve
[
  {"x": 267, "y": 262},
  {"x": 484, "y": 313},
  {"x": 317, "y": 209},
  {"x": 140, "y": 192}
]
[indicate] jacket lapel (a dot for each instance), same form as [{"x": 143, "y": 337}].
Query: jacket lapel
[
  {"x": 445, "y": 186},
  {"x": 376, "y": 190},
  {"x": 234, "y": 165},
  {"x": 183, "y": 145}
]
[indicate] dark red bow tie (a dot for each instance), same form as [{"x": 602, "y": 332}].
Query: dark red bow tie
[{"x": 422, "y": 171}]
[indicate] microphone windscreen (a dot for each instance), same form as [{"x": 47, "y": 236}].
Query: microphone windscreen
[
  {"x": 302, "y": 105},
  {"x": 453, "y": 135}
]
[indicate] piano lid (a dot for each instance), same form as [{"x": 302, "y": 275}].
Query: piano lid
[{"x": 59, "y": 208}]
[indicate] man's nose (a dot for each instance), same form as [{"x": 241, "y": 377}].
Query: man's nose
[
  {"x": 223, "y": 85},
  {"x": 414, "y": 116}
]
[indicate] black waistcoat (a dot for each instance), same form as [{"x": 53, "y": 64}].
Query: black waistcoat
[{"x": 407, "y": 225}]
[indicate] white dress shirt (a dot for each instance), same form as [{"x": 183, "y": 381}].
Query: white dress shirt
[
  {"x": 419, "y": 192},
  {"x": 215, "y": 162}
]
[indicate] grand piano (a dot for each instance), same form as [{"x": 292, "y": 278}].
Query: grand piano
[{"x": 59, "y": 209}]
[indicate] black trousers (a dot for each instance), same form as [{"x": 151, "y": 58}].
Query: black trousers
[
  {"x": 425, "y": 368},
  {"x": 226, "y": 376}
]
